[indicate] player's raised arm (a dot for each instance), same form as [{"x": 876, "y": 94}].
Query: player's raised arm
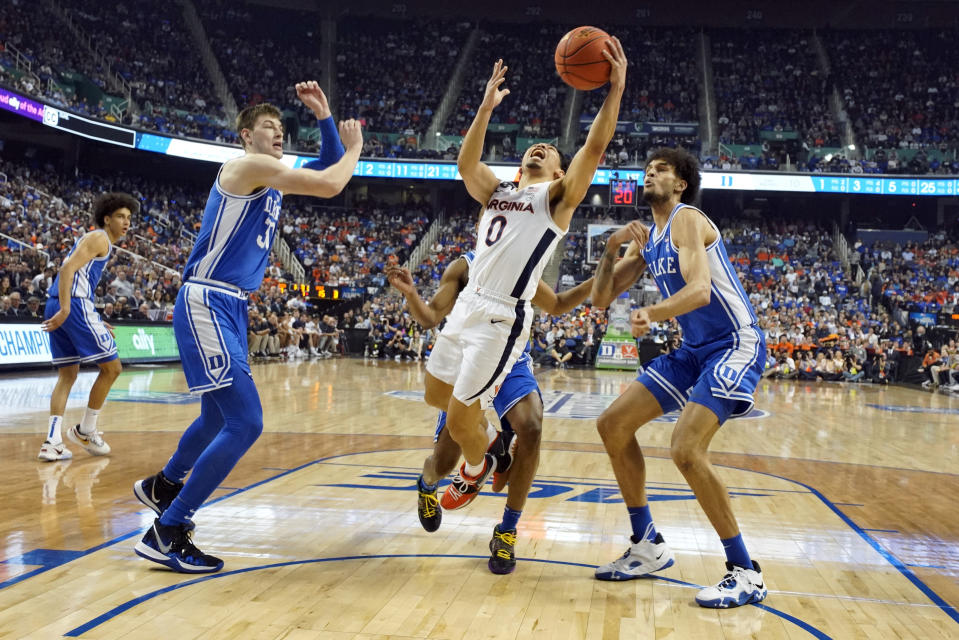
[
  {"x": 555, "y": 303},
  {"x": 331, "y": 148},
  {"x": 91, "y": 246},
  {"x": 479, "y": 179},
  {"x": 260, "y": 169},
  {"x": 429, "y": 314},
  {"x": 612, "y": 278},
  {"x": 566, "y": 193}
]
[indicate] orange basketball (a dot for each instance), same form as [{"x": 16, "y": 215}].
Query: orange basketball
[{"x": 579, "y": 58}]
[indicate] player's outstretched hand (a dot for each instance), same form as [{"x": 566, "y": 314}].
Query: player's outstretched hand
[
  {"x": 617, "y": 59},
  {"x": 400, "y": 278},
  {"x": 639, "y": 323},
  {"x": 56, "y": 320},
  {"x": 351, "y": 133},
  {"x": 313, "y": 97},
  {"x": 494, "y": 95},
  {"x": 634, "y": 231}
]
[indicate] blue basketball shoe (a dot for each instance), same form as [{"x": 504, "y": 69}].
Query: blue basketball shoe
[{"x": 173, "y": 548}]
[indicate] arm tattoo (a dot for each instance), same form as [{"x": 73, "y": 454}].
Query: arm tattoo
[{"x": 604, "y": 270}]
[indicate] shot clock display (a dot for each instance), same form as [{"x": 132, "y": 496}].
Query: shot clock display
[{"x": 622, "y": 193}]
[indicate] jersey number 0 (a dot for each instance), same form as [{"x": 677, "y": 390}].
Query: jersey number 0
[{"x": 495, "y": 230}]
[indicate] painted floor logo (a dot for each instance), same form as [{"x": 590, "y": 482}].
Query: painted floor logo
[
  {"x": 579, "y": 490},
  {"x": 576, "y": 405}
]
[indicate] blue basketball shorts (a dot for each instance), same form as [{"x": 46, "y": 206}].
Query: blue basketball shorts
[
  {"x": 82, "y": 338},
  {"x": 518, "y": 384},
  {"x": 210, "y": 325},
  {"x": 720, "y": 375}
]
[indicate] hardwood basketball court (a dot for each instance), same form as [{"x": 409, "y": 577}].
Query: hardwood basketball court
[{"x": 846, "y": 494}]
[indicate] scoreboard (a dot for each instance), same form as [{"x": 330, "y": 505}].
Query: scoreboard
[
  {"x": 623, "y": 183},
  {"x": 623, "y": 193}
]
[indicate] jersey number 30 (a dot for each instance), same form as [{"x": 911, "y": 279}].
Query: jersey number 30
[{"x": 495, "y": 230}]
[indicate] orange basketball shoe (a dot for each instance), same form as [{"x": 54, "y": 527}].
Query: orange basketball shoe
[{"x": 464, "y": 488}]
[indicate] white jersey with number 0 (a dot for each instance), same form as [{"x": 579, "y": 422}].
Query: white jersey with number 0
[{"x": 515, "y": 240}]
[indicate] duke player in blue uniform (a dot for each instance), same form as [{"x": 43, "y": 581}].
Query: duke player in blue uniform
[
  {"x": 711, "y": 377},
  {"x": 210, "y": 316},
  {"x": 78, "y": 333},
  {"x": 518, "y": 405}
]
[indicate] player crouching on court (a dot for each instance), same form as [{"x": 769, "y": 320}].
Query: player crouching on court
[
  {"x": 78, "y": 333},
  {"x": 518, "y": 404}
]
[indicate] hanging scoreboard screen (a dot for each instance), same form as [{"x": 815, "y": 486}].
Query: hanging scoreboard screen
[{"x": 623, "y": 193}]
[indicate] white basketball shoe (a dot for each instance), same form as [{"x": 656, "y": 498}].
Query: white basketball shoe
[
  {"x": 641, "y": 559},
  {"x": 92, "y": 442},
  {"x": 738, "y": 587},
  {"x": 50, "y": 452}
]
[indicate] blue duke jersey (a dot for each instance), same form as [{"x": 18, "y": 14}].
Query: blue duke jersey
[
  {"x": 86, "y": 278},
  {"x": 235, "y": 237},
  {"x": 83, "y": 337},
  {"x": 729, "y": 309}
]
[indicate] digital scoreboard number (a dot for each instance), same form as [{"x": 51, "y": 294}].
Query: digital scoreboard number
[{"x": 623, "y": 193}]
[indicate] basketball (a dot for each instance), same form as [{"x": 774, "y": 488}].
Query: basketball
[{"x": 579, "y": 58}]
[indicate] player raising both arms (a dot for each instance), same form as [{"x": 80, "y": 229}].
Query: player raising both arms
[
  {"x": 518, "y": 231},
  {"x": 210, "y": 316},
  {"x": 518, "y": 405}
]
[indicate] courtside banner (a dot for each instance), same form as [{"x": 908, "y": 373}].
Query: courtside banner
[
  {"x": 618, "y": 347},
  {"x": 146, "y": 343},
  {"x": 24, "y": 344},
  {"x": 29, "y": 344}
]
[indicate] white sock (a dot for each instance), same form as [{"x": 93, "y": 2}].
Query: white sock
[
  {"x": 491, "y": 433},
  {"x": 89, "y": 423},
  {"x": 53, "y": 430},
  {"x": 474, "y": 470}
]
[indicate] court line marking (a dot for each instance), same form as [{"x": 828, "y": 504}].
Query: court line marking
[
  {"x": 947, "y": 608},
  {"x": 580, "y": 444},
  {"x": 682, "y": 486},
  {"x": 902, "y": 568},
  {"x": 126, "y": 606}
]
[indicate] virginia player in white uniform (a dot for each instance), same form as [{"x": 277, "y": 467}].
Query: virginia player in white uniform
[
  {"x": 210, "y": 316},
  {"x": 711, "y": 377},
  {"x": 518, "y": 405},
  {"x": 78, "y": 333},
  {"x": 519, "y": 229}
]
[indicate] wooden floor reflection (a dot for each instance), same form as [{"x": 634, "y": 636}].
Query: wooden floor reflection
[{"x": 848, "y": 496}]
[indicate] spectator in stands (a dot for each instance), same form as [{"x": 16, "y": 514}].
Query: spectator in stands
[
  {"x": 881, "y": 370},
  {"x": 120, "y": 310},
  {"x": 259, "y": 333},
  {"x": 32, "y": 311},
  {"x": 374, "y": 343},
  {"x": 109, "y": 313},
  {"x": 271, "y": 346},
  {"x": 122, "y": 284},
  {"x": 141, "y": 313},
  {"x": 852, "y": 370},
  {"x": 17, "y": 308},
  {"x": 945, "y": 360},
  {"x": 930, "y": 360}
]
